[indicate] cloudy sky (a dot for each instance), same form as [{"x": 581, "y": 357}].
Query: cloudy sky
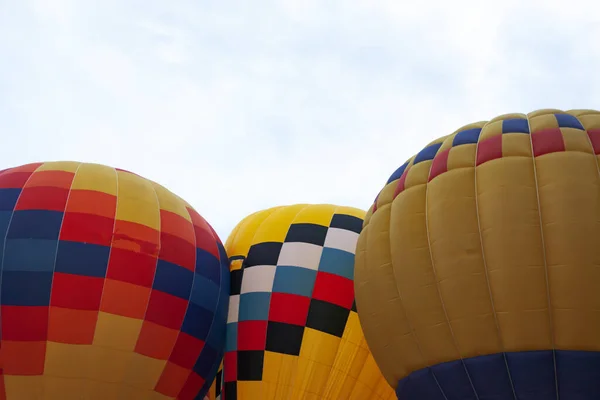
[{"x": 241, "y": 105}]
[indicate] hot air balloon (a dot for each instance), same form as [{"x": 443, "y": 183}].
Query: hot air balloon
[
  {"x": 477, "y": 268},
  {"x": 292, "y": 329},
  {"x": 111, "y": 287}
]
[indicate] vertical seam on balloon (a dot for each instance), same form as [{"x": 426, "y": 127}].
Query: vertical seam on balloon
[
  {"x": 149, "y": 298},
  {"x": 54, "y": 264},
  {"x": 398, "y": 291},
  {"x": 222, "y": 263},
  {"x": 485, "y": 268},
  {"x": 191, "y": 290},
  {"x": 364, "y": 231},
  {"x": 349, "y": 361},
  {"x": 438, "y": 288},
  {"x": 264, "y": 347},
  {"x": 158, "y": 250},
  {"x": 221, "y": 251},
  {"x": 328, "y": 383},
  {"x": 551, "y": 320},
  {"x": 112, "y": 235},
  {"x": 295, "y": 370},
  {"x": 597, "y": 167},
  {"x": 413, "y": 331},
  {"x": 308, "y": 377},
  {"x": 2, "y": 261}
]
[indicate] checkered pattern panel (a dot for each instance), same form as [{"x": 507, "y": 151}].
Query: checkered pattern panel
[
  {"x": 106, "y": 277},
  {"x": 512, "y": 135},
  {"x": 284, "y": 289}
]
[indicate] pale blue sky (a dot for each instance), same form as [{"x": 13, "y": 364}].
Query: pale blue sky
[{"x": 241, "y": 105}]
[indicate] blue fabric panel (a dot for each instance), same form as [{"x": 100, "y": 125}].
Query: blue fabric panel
[
  {"x": 206, "y": 360},
  {"x": 578, "y": 374},
  {"x": 205, "y": 292},
  {"x": 231, "y": 337},
  {"x": 469, "y": 136},
  {"x": 428, "y": 153},
  {"x": 35, "y": 224},
  {"x": 29, "y": 255},
  {"x": 336, "y": 261},
  {"x": 568, "y": 121},
  {"x": 295, "y": 280},
  {"x": 452, "y": 378},
  {"x": 197, "y": 321},
  {"x": 397, "y": 173},
  {"x": 26, "y": 288},
  {"x": 5, "y": 217},
  {"x": 82, "y": 259},
  {"x": 532, "y": 374},
  {"x": 254, "y": 306},
  {"x": 515, "y": 125},
  {"x": 419, "y": 385},
  {"x": 216, "y": 334},
  {"x": 8, "y": 198},
  {"x": 490, "y": 377},
  {"x": 173, "y": 279},
  {"x": 208, "y": 266}
]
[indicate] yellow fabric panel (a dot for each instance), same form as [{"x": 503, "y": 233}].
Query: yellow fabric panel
[
  {"x": 327, "y": 366},
  {"x": 275, "y": 226},
  {"x": 462, "y": 156},
  {"x": 240, "y": 239},
  {"x": 312, "y": 214},
  {"x": 137, "y": 201},
  {"x": 491, "y": 129},
  {"x": 170, "y": 202},
  {"x": 511, "y": 237},
  {"x": 117, "y": 332},
  {"x": 396, "y": 338},
  {"x": 513, "y": 145},
  {"x": 386, "y": 195},
  {"x": 416, "y": 284},
  {"x": 417, "y": 174},
  {"x": 496, "y": 253},
  {"x": 95, "y": 177},
  {"x": 67, "y": 166},
  {"x": 455, "y": 246},
  {"x": 572, "y": 253}
]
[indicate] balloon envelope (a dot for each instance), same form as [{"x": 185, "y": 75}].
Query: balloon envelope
[
  {"x": 477, "y": 269},
  {"x": 111, "y": 287},
  {"x": 292, "y": 330}
]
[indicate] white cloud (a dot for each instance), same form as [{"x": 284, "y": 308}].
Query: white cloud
[{"x": 242, "y": 105}]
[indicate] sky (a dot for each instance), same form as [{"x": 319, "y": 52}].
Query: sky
[{"x": 237, "y": 106}]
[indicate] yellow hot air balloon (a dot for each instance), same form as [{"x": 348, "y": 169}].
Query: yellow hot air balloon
[
  {"x": 477, "y": 270},
  {"x": 292, "y": 330}
]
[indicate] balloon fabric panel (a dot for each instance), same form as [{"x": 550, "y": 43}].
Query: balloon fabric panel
[
  {"x": 111, "y": 287},
  {"x": 477, "y": 267},
  {"x": 292, "y": 330},
  {"x": 217, "y": 386}
]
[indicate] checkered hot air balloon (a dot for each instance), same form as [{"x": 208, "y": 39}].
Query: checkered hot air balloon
[
  {"x": 292, "y": 329},
  {"x": 477, "y": 270},
  {"x": 111, "y": 287}
]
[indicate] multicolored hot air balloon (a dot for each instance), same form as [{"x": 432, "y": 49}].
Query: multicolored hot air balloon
[
  {"x": 292, "y": 330},
  {"x": 477, "y": 270},
  {"x": 111, "y": 287}
]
